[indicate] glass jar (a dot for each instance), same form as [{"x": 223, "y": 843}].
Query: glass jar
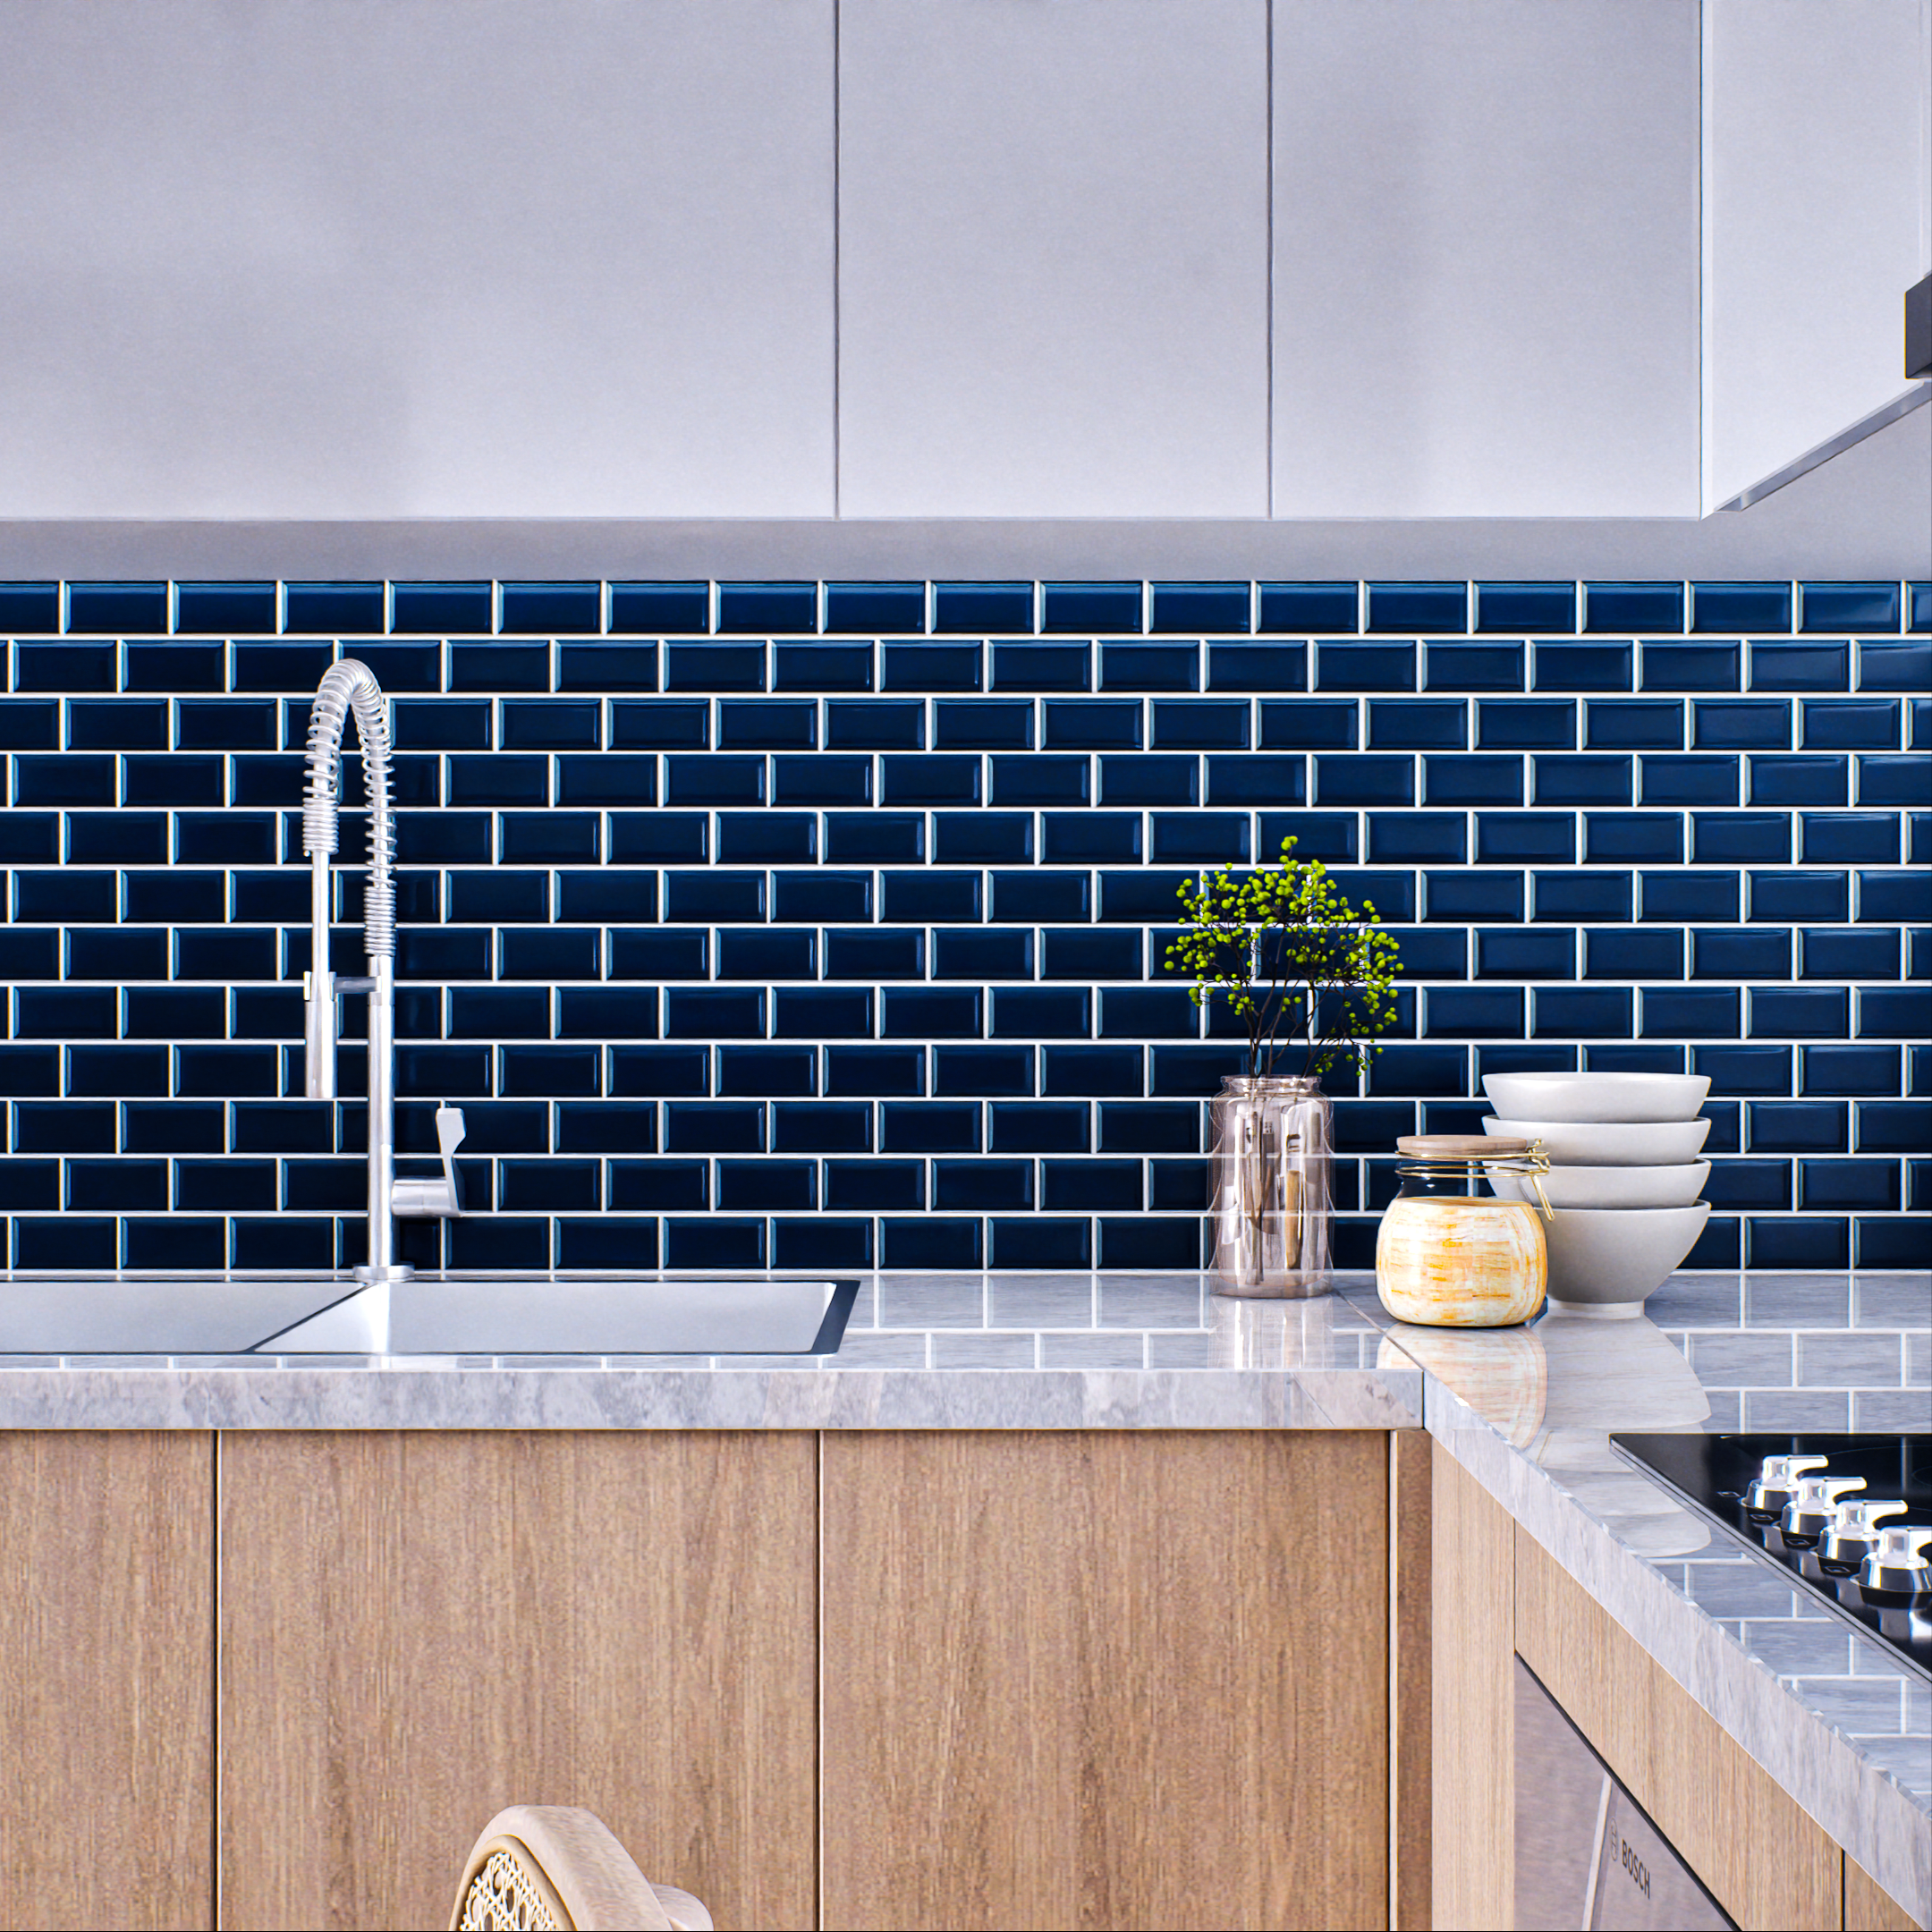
[
  {"x": 1449, "y": 1257},
  {"x": 1274, "y": 1198}
]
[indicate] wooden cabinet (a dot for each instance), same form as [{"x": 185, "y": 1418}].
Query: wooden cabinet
[
  {"x": 1499, "y": 1595},
  {"x": 1096, "y": 1679},
  {"x": 420, "y": 1628},
  {"x": 1053, "y": 259},
  {"x": 106, "y": 1692}
]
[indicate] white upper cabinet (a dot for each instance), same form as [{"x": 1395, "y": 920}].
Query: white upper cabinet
[
  {"x": 1485, "y": 257},
  {"x": 416, "y": 259},
  {"x": 1817, "y": 192},
  {"x": 1053, "y": 259}
]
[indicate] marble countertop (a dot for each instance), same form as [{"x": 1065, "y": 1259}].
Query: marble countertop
[{"x": 1831, "y": 1713}]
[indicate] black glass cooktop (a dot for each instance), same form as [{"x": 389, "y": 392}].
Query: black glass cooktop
[{"x": 1710, "y": 1473}]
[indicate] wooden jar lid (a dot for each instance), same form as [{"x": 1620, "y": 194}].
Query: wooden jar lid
[{"x": 1460, "y": 1146}]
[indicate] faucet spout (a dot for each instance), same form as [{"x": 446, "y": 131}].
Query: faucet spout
[{"x": 349, "y": 689}]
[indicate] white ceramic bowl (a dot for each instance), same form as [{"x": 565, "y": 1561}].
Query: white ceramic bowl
[
  {"x": 1610, "y": 1257},
  {"x": 1610, "y": 1187},
  {"x": 1617, "y": 1144},
  {"x": 1597, "y": 1097}
]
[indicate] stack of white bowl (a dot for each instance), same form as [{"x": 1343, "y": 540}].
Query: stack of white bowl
[{"x": 1624, "y": 1177}]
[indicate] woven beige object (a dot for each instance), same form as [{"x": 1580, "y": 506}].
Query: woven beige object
[{"x": 557, "y": 1868}]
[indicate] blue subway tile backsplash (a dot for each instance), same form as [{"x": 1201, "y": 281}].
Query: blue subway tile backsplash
[{"x": 821, "y": 925}]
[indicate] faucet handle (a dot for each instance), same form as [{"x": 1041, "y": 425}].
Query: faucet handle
[{"x": 441, "y": 1199}]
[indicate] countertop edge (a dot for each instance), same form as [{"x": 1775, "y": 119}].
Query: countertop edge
[{"x": 1856, "y": 1802}]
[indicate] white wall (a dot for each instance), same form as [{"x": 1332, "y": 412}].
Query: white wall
[
  {"x": 1486, "y": 283},
  {"x": 1053, "y": 257},
  {"x": 416, "y": 257},
  {"x": 1817, "y": 199}
]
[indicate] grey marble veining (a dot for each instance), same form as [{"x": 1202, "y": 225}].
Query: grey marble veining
[
  {"x": 1065, "y": 1351},
  {"x": 1830, "y": 1711}
]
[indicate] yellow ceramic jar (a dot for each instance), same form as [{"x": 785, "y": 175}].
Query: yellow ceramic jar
[{"x": 1448, "y": 1258}]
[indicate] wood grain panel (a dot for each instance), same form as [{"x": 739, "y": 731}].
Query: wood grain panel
[
  {"x": 1105, "y": 1679},
  {"x": 418, "y": 1629},
  {"x": 1766, "y": 1862},
  {"x": 107, "y": 1697},
  {"x": 1472, "y": 1698},
  {"x": 1410, "y": 1455},
  {"x": 1869, "y": 1907}
]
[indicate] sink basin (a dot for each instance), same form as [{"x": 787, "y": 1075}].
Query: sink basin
[{"x": 539, "y": 1315}]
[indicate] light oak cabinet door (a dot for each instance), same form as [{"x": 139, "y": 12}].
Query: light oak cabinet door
[
  {"x": 107, "y": 1686},
  {"x": 1105, "y": 1679},
  {"x": 1053, "y": 259},
  {"x": 418, "y": 1629}
]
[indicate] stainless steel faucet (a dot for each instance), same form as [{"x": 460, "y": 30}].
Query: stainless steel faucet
[{"x": 349, "y": 687}]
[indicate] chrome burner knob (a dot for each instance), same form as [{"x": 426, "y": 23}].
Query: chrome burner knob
[
  {"x": 1853, "y": 1535},
  {"x": 1777, "y": 1484},
  {"x": 1899, "y": 1565},
  {"x": 1808, "y": 1514}
]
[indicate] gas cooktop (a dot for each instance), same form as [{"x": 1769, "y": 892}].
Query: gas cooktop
[{"x": 1868, "y": 1577}]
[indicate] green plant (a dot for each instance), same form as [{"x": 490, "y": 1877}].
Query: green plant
[{"x": 1286, "y": 951}]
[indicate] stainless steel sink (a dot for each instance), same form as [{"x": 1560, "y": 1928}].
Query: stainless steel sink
[
  {"x": 547, "y": 1316},
  {"x": 508, "y": 1315}
]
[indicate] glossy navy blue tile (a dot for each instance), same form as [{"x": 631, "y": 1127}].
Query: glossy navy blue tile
[
  {"x": 552, "y": 609},
  {"x": 962, "y": 1072},
  {"x": 1896, "y": 1012},
  {"x": 983, "y": 724},
  {"x": 1749, "y": 953},
  {"x": 983, "y": 838},
  {"x": 778, "y": 725},
  {"x": 1847, "y": 606},
  {"x": 1339, "y": 780},
  {"x": 809, "y": 897},
  {"x": 1526, "y": 724},
  {"x": 1477, "y": 780},
  {"x": 932, "y": 1242},
  {"x": 1891, "y": 895},
  {"x": 1798, "y": 780},
  {"x": 1421, "y": 1072},
  {"x": 1161, "y": 779},
  {"x": 1210, "y": 724},
  {"x": 549, "y": 838},
  {"x": 498, "y": 667},
  {"x": 1688, "y": 780},
  {"x": 702, "y": 897},
  {"x": 873, "y": 1072},
  {"x": 982, "y": 954},
  {"x": 1740, "y": 838},
  {"x": 1413, "y": 839},
  {"x": 496, "y": 780},
  {"x": 1849, "y": 1070},
  {"x": 1895, "y": 667},
  {"x": 1089, "y": 607},
  {"x": 1042, "y": 667},
  {"x": 929, "y": 1127},
  {"x": 934, "y": 667},
  {"x": 1903, "y": 778},
  {"x": 66, "y": 667},
  {"x": 1417, "y": 606},
  {"x": 173, "y": 667},
  {"x": 931, "y": 779},
  {"x": 1472, "y": 1012},
  {"x": 1800, "y": 1013},
  {"x": 1257, "y": 667},
  {"x": 1180, "y": 608},
  {"x": 1891, "y": 1126},
  {"x": 768, "y": 609},
  {"x": 983, "y": 609},
  {"x": 1582, "y": 667},
  {"x": 1613, "y": 607},
  {"x": 1582, "y": 1012},
  {"x": 1525, "y": 838},
  {"x": 1416, "y": 725},
  {"x": 1797, "y": 1127},
  {"x": 1526, "y": 607},
  {"x": 1633, "y": 724},
  {"x": 28, "y": 724},
  {"x": 28, "y": 607},
  {"x": 1463, "y": 896},
  {"x": 1851, "y": 724},
  {"x": 1200, "y": 838},
  {"x": 440, "y": 609},
  {"x": 1526, "y": 952},
  {"x": 822, "y": 667},
  {"x": 1626, "y": 955},
  {"x": 714, "y": 667},
  {"x": 1149, "y": 667},
  {"x": 225, "y": 609},
  {"x": 1847, "y": 838},
  {"x": 1847, "y": 953},
  {"x": 1691, "y": 667},
  {"x": 1581, "y": 779},
  {"x": 1307, "y": 609},
  {"x": 1038, "y": 1127},
  {"x": 1755, "y": 724},
  {"x": 660, "y": 609},
  {"x": 882, "y": 838},
  {"x": 1364, "y": 667},
  {"x": 875, "y": 608},
  {"x": 118, "y": 609},
  {"x": 886, "y": 724},
  {"x": 65, "y": 1012},
  {"x": 1741, "y": 606},
  {"x": 1693, "y": 1012},
  {"x": 1473, "y": 667},
  {"x": 1616, "y": 838},
  {"x": 1312, "y": 724},
  {"x": 1799, "y": 667}
]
